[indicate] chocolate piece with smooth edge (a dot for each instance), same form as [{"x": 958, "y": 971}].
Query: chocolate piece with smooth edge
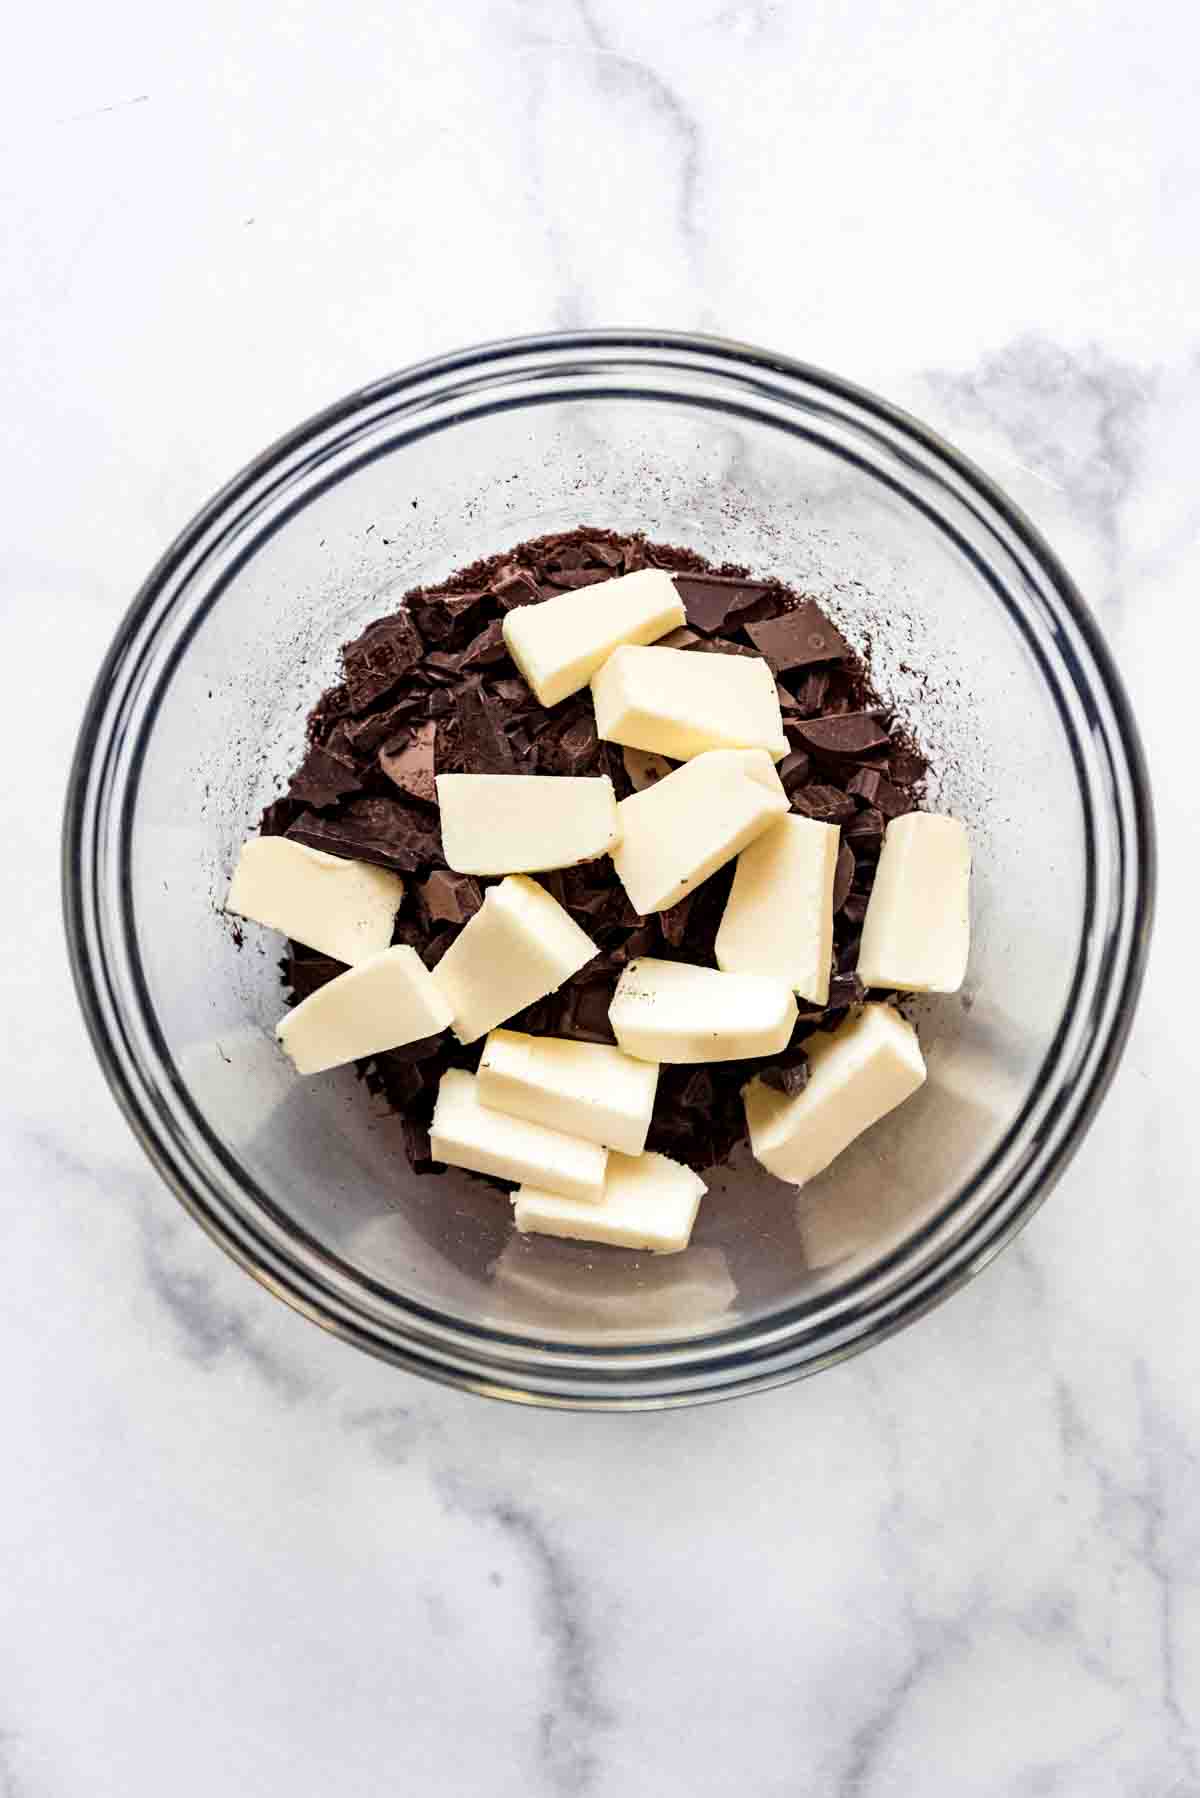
[
  {"x": 875, "y": 789},
  {"x": 377, "y": 662},
  {"x": 385, "y": 832},
  {"x": 828, "y": 804},
  {"x": 787, "y": 1077},
  {"x": 448, "y": 620},
  {"x": 844, "y": 736},
  {"x": 324, "y": 776},
  {"x": 865, "y": 832},
  {"x": 447, "y": 898},
  {"x": 408, "y": 762},
  {"x": 713, "y": 601},
  {"x": 799, "y": 638},
  {"x": 794, "y": 770}
]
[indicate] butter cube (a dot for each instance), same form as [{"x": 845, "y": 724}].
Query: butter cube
[
  {"x": 340, "y": 908},
  {"x": 648, "y": 1202},
  {"x": 679, "y": 705},
  {"x": 778, "y": 919},
  {"x": 693, "y": 821},
  {"x": 917, "y": 932},
  {"x": 856, "y": 1075},
  {"x": 376, "y": 1005},
  {"x": 559, "y": 643},
  {"x": 519, "y": 946},
  {"x": 583, "y": 1089},
  {"x": 673, "y": 1011},
  {"x": 465, "y": 1134},
  {"x": 525, "y": 823}
]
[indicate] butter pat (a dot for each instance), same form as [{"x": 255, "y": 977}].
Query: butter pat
[
  {"x": 524, "y": 823},
  {"x": 465, "y": 1134},
  {"x": 856, "y": 1075},
  {"x": 559, "y": 643},
  {"x": 378, "y": 1004},
  {"x": 649, "y": 1202},
  {"x": 686, "y": 826},
  {"x": 519, "y": 946},
  {"x": 778, "y": 919},
  {"x": 584, "y": 1089},
  {"x": 677, "y": 704},
  {"x": 917, "y": 931},
  {"x": 342, "y": 909},
  {"x": 673, "y": 1011}
]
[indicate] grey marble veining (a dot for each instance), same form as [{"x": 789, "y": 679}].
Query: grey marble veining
[{"x": 236, "y": 1556}]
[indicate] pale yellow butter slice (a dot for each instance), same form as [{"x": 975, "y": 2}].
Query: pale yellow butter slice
[
  {"x": 525, "y": 823},
  {"x": 778, "y": 919},
  {"x": 585, "y": 1089},
  {"x": 678, "y": 703},
  {"x": 856, "y": 1075},
  {"x": 648, "y": 1202},
  {"x": 917, "y": 932},
  {"x": 689, "y": 824},
  {"x": 559, "y": 643},
  {"x": 674, "y": 1011},
  {"x": 343, "y": 909},
  {"x": 378, "y": 1004},
  {"x": 519, "y": 946},
  {"x": 466, "y": 1134}
]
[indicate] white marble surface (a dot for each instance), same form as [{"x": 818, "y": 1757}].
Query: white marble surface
[{"x": 236, "y": 1557}]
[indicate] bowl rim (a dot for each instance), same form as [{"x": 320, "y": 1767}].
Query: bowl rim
[{"x": 664, "y": 1377}]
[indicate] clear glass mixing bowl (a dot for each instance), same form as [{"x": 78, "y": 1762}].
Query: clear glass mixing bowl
[{"x": 975, "y": 631}]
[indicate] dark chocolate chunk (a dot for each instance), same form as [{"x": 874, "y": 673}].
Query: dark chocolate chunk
[
  {"x": 514, "y": 586},
  {"x": 788, "y": 1077},
  {"x": 843, "y": 877},
  {"x": 794, "y": 770},
  {"x": 447, "y": 898},
  {"x": 696, "y": 1093},
  {"x": 433, "y": 948},
  {"x": 377, "y": 662},
  {"x": 845, "y": 989},
  {"x": 572, "y": 747},
  {"x": 855, "y": 908},
  {"x": 278, "y": 817},
  {"x": 829, "y": 804},
  {"x": 448, "y": 620},
  {"x": 487, "y": 649},
  {"x": 416, "y": 1147},
  {"x": 307, "y": 973},
  {"x": 673, "y": 921},
  {"x": 330, "y": 710},
  {"x": 844, "y": 736},
  {"x": 367, "y": 735},
  {"x": 798, "y": 639},
  {"x": 680, "y": 638},
  {"x": 608, "y": 554},
  {"x": 408, "y": 762},
  {"x": 483, "y": 741},
  {"x": 584, "y": 1013},
  {"x": 906, "y": 767},
  {"x": 874, "y": 788},
  {"x": 712, "y": 601},
  {"x": 424, "y": 1049},
  {"x": 571, "y": 578},
  {"x": 385, "y": 832},
  {"x": 811, "y": 692},
  {"x": 787, "y": 701},
  {"x": 865, "y": 831}
]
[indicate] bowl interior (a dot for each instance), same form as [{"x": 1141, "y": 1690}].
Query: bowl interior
[{"x": 954, "y": 640}]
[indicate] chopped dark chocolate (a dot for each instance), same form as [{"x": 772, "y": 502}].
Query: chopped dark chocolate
[
  {"x": 279, "y": 815},
  {"x": 487, "y": 649},
  {"x": 845, "y": 989},
  {"x": 854, "y": 909},
  {"x": 368, "y": 734},
  {"x": 713, "y": 601},
  {"x": 844, "y": 737},
  {"x": 829, "y": 804},
  {"x": 865, "y": 831},
  {"x": 788, "y": 1077},
  {"x": 680, "y": 638},
  {"x": 408, "y": 762},
  {"x": 673, "y": 921},
  {"x": 447, "y": 898},
  {"x": 843, "y": 877},
  {"x": 799, "y": 638},
  {"x": 377, "y": 662},
  {"x": 811, "y": 692},
  {"x": 874, "y": 788},
  {"x": 385, "y": 832},
  {"x": 307, "y": 973},
  {"x": 696, "y": 1093},
  {"x": 644, "y": 768},
  {"x": 448, "y": 620},
  {"x": 584, "y": 1012},
  {"x": 514, "y": 586},
  {"x": 324, "y": 776},
  {"x": 794, "y": 770},
  {"x": 907, "y": 767},
  {"x": 484, "y": 746}
]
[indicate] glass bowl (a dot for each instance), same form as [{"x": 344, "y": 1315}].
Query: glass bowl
[{"x": 975, "y": 631}]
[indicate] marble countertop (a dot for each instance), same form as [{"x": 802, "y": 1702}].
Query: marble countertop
[{"x": 237, "y": 1557}]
